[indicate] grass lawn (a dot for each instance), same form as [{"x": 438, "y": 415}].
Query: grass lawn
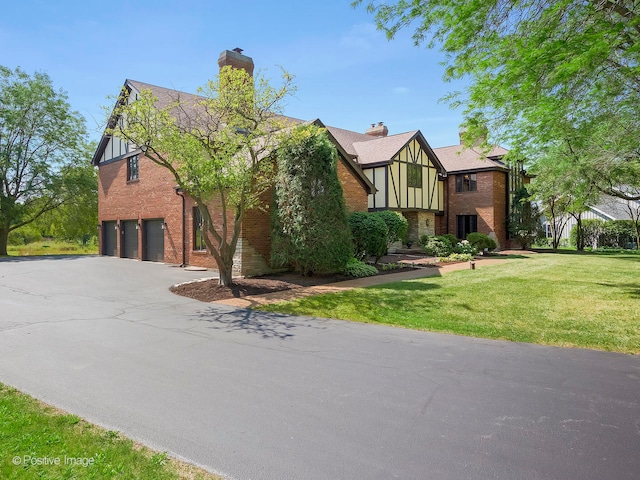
[
  {"x": 52, "y": 247},
  {"x": 38, "y": 441},
  {"x": 577, "y": 300}
]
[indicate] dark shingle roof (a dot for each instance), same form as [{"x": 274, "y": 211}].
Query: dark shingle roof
[
  {"x": 381, "y": 149},
  {"x": 459, "y": 158}
]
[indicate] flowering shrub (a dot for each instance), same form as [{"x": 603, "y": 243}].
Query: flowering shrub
[
  {"x": 457, "y": 257},
  {"x": 436, "y": 246},
  {"x": 465, "y": 247}
]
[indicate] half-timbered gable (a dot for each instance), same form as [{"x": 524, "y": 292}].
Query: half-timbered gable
[{"x": 405, "y": 171}]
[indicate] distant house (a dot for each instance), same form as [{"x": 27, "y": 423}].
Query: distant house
[
  {"x": 407, "y": 174},
  {"x": 479, "y": 191},
  {"x": 608, "y": 208}
]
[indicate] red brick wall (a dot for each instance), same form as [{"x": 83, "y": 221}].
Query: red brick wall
[
  {"x": 355, "y": 196},
  {"x": 488, "y": 202},
  {"x": 150, "y": 197},
  {"x": 153, "y": 196}
]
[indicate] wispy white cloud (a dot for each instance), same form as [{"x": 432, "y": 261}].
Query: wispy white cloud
[
  {"x": 401, "y": 90},
  {"x": 361, "y": 37}
]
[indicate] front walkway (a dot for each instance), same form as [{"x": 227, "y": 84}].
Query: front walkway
[{"x": 429, "y": 271}]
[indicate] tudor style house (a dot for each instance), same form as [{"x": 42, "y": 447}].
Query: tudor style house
[
  {"x": 143, "y": 215},
  {"x": 479, "y": 191}
]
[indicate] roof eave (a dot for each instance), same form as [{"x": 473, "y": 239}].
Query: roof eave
[
  {"x": 349, "y": 161},
  {"x": 104, "y": 141}
]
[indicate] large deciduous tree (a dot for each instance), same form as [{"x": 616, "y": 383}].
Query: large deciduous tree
[
  {"x": 543, "y": 73},
  {"x": 40, "y": 139},
  {"x": 77, "y": 217},
  {"x": 217, "y": 146},
  {"x": 310, "y": 228}
]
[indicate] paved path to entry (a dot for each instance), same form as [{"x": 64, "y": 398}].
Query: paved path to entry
[{"x": 264, "y": 396}]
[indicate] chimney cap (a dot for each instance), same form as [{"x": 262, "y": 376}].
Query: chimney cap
[
  {"x": 379, "y": 130},
  {"x": 236, "y": 59}
]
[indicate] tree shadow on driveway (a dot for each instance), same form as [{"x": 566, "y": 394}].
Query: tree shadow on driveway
[{"x": 263, "y": 324}]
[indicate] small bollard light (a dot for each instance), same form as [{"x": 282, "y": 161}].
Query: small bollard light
[{"x": 472, "y": 265}]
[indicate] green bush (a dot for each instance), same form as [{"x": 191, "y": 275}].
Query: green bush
[
  {"x": 24, "y": 235},
  {"x": 358, "y": 269},
  {"x": 609, "y": 234},
  {"x": 457, "y": 257},
  {"x": 369, "y": 234},
  {"x": 436, "y": 246},
  {"x": 453, "y": 240},
  {"x": 309, "y": 221},
  {"x": 397, "y": 225},
  {"x": 481, "y": 241}
]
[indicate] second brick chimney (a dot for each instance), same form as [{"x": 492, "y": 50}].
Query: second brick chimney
[{"x": 379, "y": 130}]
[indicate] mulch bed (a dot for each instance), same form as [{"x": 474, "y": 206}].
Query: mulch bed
[{"x": 210, "y": 291}]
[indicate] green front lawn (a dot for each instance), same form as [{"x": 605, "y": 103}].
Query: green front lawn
[
  {"x": 588, "y": 300},
  {"x": 40, "y": 442}
]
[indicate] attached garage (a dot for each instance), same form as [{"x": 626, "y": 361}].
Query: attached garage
[
  {"x": 109, "y": 239},
  {"x": 153, "y": 235},
  {"x": 129, "y": 239}
]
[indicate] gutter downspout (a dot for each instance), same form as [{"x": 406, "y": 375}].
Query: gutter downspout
[{"x": 180, "y": 193}]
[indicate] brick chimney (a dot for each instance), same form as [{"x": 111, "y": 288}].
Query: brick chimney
[
  {"x": 379, "y": 130},
  {"x": 235, "y": 59},
  {"x": 478, "y": 141}
]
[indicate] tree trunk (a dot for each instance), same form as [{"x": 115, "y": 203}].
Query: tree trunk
[
  {"x": 579, "y": 234},
  {"x": 226, "y": 274},
  {"x": 4, "y": 237},
  {"x": 225, "y": 266}
]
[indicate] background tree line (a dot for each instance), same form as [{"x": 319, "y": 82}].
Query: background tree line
[{"x": 47, "y": 184}]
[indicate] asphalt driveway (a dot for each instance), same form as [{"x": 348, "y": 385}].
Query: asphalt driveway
[{"x": 264, "y": 396}]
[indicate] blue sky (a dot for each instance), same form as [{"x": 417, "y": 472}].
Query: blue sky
[{"x": 346, "y": 72}]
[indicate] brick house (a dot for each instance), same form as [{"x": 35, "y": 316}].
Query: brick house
[
  {"x": 142, "y": 215},
  {"x": 479, "y": 192}
]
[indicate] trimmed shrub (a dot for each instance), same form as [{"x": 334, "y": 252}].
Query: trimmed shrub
[
  {"x": 309, "y": 223},
  {"x": 453, "y": 240},
  {"x": 481, "y": 241},
  {"x": 397, "y": 225},
  {"x": 358, "y": 269},
  {"x": 436, "y": 246},
  {"x": 457, "y": 257},
  {"x": 369, "y": 234}
]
